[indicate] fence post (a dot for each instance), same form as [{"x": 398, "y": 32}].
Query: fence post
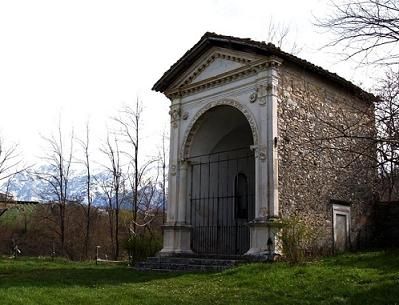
[
  {"x": 97, "y": 247},
  {"x": 53, "y": 252}
]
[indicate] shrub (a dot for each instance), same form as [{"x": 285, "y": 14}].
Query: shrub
[
  {"x": 141, "y": 246},
  {"x": 299, "y": 239}
]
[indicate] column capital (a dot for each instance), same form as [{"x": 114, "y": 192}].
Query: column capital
[
  {"x": 260, "y": 151},
  {"x": 184, "y": 163},
  {"x": 175, "y": 114}
]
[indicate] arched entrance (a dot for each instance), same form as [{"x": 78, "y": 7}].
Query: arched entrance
[{"x": 222, "y": 182}]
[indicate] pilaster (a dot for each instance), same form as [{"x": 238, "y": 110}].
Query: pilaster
[
  {"x": 173, "y": 185},
  {"x": 272, "y": 137},
  {"x": 265, "y": 226},
  {"x": 177, "y": 232}
]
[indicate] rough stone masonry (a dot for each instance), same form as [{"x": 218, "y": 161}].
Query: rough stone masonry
[{"x": 326, "y": 154}]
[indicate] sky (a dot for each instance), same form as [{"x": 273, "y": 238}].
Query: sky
[{"x": 79, "y": 61}]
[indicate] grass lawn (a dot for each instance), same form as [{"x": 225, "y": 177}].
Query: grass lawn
[{"x": 365, "y": 278}]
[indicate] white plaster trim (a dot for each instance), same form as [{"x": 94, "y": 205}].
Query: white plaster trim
[
  {"x": 195, "y": 123},
  {"x": 339, "y": 209}
]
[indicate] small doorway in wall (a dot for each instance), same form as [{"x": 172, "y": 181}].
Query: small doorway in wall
[{"x": 341, "y": 227}]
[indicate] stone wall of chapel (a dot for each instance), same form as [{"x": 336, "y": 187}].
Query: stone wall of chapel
[{"x": 317, "y": 163}]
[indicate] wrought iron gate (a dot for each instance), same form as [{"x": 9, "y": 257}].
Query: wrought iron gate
[{"x": 222, "y": 202}]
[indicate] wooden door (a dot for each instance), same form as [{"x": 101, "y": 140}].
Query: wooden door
[{"x": 341, "y": 233}]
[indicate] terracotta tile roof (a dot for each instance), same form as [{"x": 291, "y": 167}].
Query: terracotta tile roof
[{"x": 209, "y": 40}]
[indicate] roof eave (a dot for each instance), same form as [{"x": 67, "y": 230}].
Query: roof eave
[
  {"x": 210, "y": 39},
  {"x": 184, "y": 62}
]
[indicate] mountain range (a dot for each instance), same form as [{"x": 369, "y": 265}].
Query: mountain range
[{"x": 29, "y": 187}]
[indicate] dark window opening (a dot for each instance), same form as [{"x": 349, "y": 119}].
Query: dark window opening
[{"x": 241, "y": 196}]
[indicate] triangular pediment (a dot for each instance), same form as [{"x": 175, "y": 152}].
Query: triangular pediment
[
  {"x": 214, "y": 63},
  {"x": 219, "y": 65}
]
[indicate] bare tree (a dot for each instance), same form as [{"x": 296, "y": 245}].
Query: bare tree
[
  {"x": 387, "y": 121},
  {"x": 114, "y": 188},
  {"x": 10, "y": 160},
  {"x": 162, "y": 159},
  {"x": 148, "y": 205},
  {"x": 86, "y": 161},
  {"x": 368, "y": 30},
  {"x": 365, "y": 29},
  {"x": 282, "y": 36},
  {"x": 57, "y": 174},
  {"x": 356, "y": 141},
  {"x": 129, "y": 121},
  {"x": 143, "y": 175},
  {"x": 105, "y": 182}
]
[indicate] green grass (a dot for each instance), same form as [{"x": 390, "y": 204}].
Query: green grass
[{"x": 366, "y": 278}]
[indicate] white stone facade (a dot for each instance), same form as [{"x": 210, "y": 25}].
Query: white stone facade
[{"x": 252, "y": 92}]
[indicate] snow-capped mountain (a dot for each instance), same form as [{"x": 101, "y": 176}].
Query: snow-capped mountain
[{"x": 30, "y": 187}]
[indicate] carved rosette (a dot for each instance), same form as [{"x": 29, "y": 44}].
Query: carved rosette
[
  {"x": 195, "y": 123},
  {"x": 173, "y": 169},
  {"x": 185, "y": 115},
  {"x": 253, "y": 96}
]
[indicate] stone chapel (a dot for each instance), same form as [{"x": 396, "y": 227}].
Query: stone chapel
[{"x": 259, "y": 135}]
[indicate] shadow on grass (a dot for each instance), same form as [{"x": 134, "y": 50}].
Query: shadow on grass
[
  {"x": 384, "y": 261},
  {"x": 85, "y": 277},
  {"x": 387, "y": 294}
]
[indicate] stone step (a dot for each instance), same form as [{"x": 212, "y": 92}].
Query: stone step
[
  {"x": 179, "y": 267},
  {"x": 210, "y": 256},
  {"x": 194, "y": 261},
  {"x": 186, "y": 264}
]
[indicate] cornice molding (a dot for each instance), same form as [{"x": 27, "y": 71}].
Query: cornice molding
[{"x": 251, "y": 68}]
